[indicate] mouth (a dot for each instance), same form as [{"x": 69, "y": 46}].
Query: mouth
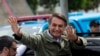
[{"x": 57, "y": 33}]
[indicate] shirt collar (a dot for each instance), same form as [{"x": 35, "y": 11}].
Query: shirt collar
[{"x": 58, "y": 39}]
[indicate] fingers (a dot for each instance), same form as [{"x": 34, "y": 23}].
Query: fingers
[
  {"x": 70, "y": 29},
  {"x": 12, "y": 20}
]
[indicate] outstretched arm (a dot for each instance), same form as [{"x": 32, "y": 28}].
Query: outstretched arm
[
  {"x": 14, "y": 25},
  {"x": 22, "y": 36}
]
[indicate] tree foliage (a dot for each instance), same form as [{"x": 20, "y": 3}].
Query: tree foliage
[
  {"x": 48, "y": 3},
  {"x": 73, "y": 5},
  {"x": 82, "y": 4},
  {"x": 33, "y": 5}
]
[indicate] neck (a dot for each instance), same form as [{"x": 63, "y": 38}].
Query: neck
[{"x": 55, "y": 37}]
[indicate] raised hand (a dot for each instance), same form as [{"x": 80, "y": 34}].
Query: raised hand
[
  {"x": 14, "y": 25},
  {"x": 71, "y": 33}
]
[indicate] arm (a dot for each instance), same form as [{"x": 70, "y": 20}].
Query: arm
[
  {"x": 75, "y": 45},
  {"x": 29, "y": 40},
  {"x": 70, "y": 34},
  {"x": 14, "y": 26}
]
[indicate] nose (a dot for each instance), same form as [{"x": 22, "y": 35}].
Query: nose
[{"x": 57, "y": 28}]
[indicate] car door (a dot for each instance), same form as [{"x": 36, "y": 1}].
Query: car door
[{"x": 92, "y": 48}]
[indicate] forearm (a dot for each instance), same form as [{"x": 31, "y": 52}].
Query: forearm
[
  {"x": 78, "y": 41},
  {"x": 18, "y": 33},
  {"x": 83, "y": 40},
  {"x": 79, "y": 44},
  {"x": 27, "y": 39},
  {"x": 17, "y": 37}
]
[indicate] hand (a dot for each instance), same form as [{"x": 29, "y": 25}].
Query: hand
[
  {"x": 14, "y": 25},
  {"x": 70, "y": 33}
]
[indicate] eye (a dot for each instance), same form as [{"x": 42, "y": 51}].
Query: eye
[
  {"x": 60, "y": 25},
  {"x": 54, "y": 25}
]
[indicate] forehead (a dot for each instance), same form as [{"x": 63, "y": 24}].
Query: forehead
[
  {"x": 95, "y": 26},
  {"x": 55, "y": 20}
]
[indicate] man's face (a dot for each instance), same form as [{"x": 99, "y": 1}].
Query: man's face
[
  {"x": 56, "y": 27},
  {"x": 12, "y": 49},
  {"x": 95, "y": 29}
]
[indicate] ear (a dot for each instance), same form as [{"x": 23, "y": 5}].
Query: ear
[{"x": 5, "y": 50}]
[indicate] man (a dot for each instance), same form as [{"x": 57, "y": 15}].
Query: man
[
  {"x": 94, "y": 28},
  {"x": 52, "y": 42},
  {"x": 7, "y": 46}
]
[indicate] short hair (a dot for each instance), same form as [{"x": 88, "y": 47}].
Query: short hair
[
  {"x": 94, "y": 23},
  {"x": 6, "y": 41},
  {"x": 59, "y": 16}
]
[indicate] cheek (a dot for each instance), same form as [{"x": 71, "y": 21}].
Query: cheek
[
  {"x": 50, "y": 27},
  {"x": 11, "y": 53},
  {"x": 92, "y": 28}
]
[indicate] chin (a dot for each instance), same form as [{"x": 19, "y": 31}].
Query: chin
[{"x": 57, "y": 35}]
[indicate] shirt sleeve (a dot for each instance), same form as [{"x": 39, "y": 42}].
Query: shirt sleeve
[{"x": 29, "y": 40}]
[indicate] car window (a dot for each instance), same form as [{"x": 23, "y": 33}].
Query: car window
[{"x": 91, "y": 43}]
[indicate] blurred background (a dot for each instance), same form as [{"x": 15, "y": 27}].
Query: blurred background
[
  {"x": 78, "y": 12},
  {"x": 32, "y": 7}
]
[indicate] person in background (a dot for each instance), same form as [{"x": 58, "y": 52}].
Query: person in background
[
  {"x": 23, "y": 50},
  {"x": 7, "y": 46},
  {"x": 94, "y": 28},
  {"x": 53, "y": 41}
]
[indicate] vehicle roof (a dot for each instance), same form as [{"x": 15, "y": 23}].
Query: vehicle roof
[
  {"x": 85, "y": 16},
  {"x": 29, "y": 27}
]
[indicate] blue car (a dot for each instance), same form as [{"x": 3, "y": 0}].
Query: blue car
[{"x": 81, "y": 23}]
